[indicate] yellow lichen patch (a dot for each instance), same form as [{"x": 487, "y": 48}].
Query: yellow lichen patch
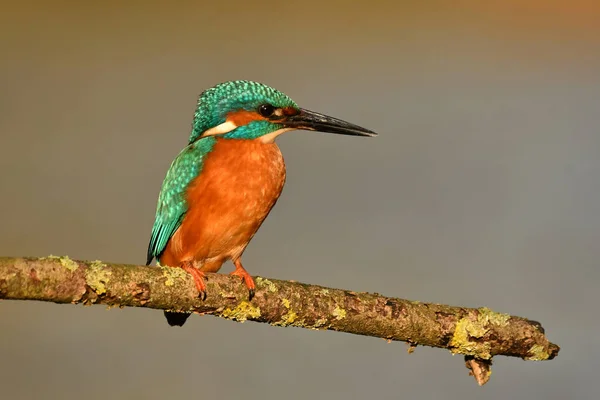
[
  {"x": 325, "y": 292},
  {"x": 461, "y": 342},
  {"x": 98, "y": 264},
  {"x": 339, "y": 313},
  {"x": 488, "y": 316},
  {"x": 241, "y": 312},
  {"x": 467, "y": 328},
  {"x": 538, "y": 353},
  {"x": 65, "y": 261},
  {"x": 289, "y": 318},
  {"x": 320, "y": 323},
  {"x": 266, "y": 283},
  {"x": 171, "y": 274},
  {"x": 68, "y": 263},
  {"x": 96, "y": 277}
]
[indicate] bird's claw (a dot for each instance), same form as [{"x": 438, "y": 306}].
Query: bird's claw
[
  {"x": 247, "y": 280},
  {"x": 199, "y": 278}
]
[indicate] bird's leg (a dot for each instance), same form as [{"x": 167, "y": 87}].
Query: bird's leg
[
  {"x": 198, "y": 276},
  {"x": 242, "y": 273}
]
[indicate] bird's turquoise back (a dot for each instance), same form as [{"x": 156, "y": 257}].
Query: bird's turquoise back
[{"x": 172, "y": 205}]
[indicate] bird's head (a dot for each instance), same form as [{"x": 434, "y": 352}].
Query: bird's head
[{"x": 251, "y": 110}]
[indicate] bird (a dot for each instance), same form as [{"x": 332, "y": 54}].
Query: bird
[{"x": 220, "y": 188}]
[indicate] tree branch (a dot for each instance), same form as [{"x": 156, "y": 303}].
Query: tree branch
[{"x": 479, "y": 334}]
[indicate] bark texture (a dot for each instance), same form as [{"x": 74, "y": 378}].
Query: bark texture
[{"x": 479, "y": 334}]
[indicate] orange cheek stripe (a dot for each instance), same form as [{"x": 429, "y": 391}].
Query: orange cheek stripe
[
  {"x": 243, "y": 117},
  {"x": 289, "y": 111}
]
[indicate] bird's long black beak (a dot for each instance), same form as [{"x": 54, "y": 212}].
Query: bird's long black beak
[{"x": 313, "y": 121}]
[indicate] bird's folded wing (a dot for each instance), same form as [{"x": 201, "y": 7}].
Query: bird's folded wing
[{"x": 172, "y": 205}]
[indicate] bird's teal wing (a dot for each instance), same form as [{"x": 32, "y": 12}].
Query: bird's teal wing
[{"x": 172, "y": 205}]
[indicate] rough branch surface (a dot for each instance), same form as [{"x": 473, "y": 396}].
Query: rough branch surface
[{"x": 479, "y": 334}]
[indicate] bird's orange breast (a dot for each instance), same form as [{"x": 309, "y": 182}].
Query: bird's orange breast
[{"x": 240, "y": 182}]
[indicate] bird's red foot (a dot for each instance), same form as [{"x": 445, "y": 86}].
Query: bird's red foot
[
  {"x": 242, "y": 273},
  {"x": 198, "y": 276}
]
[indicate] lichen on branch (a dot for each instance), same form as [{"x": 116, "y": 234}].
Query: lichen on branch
[{"x": 479, "y": 334}]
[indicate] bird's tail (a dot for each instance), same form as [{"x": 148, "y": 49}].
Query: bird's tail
[{"x": 175, "y": 318}]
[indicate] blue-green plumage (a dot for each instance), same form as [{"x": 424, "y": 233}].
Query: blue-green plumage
[
  {"x": 172, "y": 205},
  {"x": 215, "y": 103},
  {"x": 213, "y": 106}
]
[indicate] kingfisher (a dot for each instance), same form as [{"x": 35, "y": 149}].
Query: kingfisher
[{"x": 223, "y": 184}]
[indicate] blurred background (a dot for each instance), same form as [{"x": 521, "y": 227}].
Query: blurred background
[{"x": 481, "y": 190}]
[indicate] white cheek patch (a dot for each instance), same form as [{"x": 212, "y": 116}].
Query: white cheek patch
[
  {"x": 225, "y": 127},
  {"x": 270, "y": 137}
]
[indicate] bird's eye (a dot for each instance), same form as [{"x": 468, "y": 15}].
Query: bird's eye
[{"x": 266, "y": 110}]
